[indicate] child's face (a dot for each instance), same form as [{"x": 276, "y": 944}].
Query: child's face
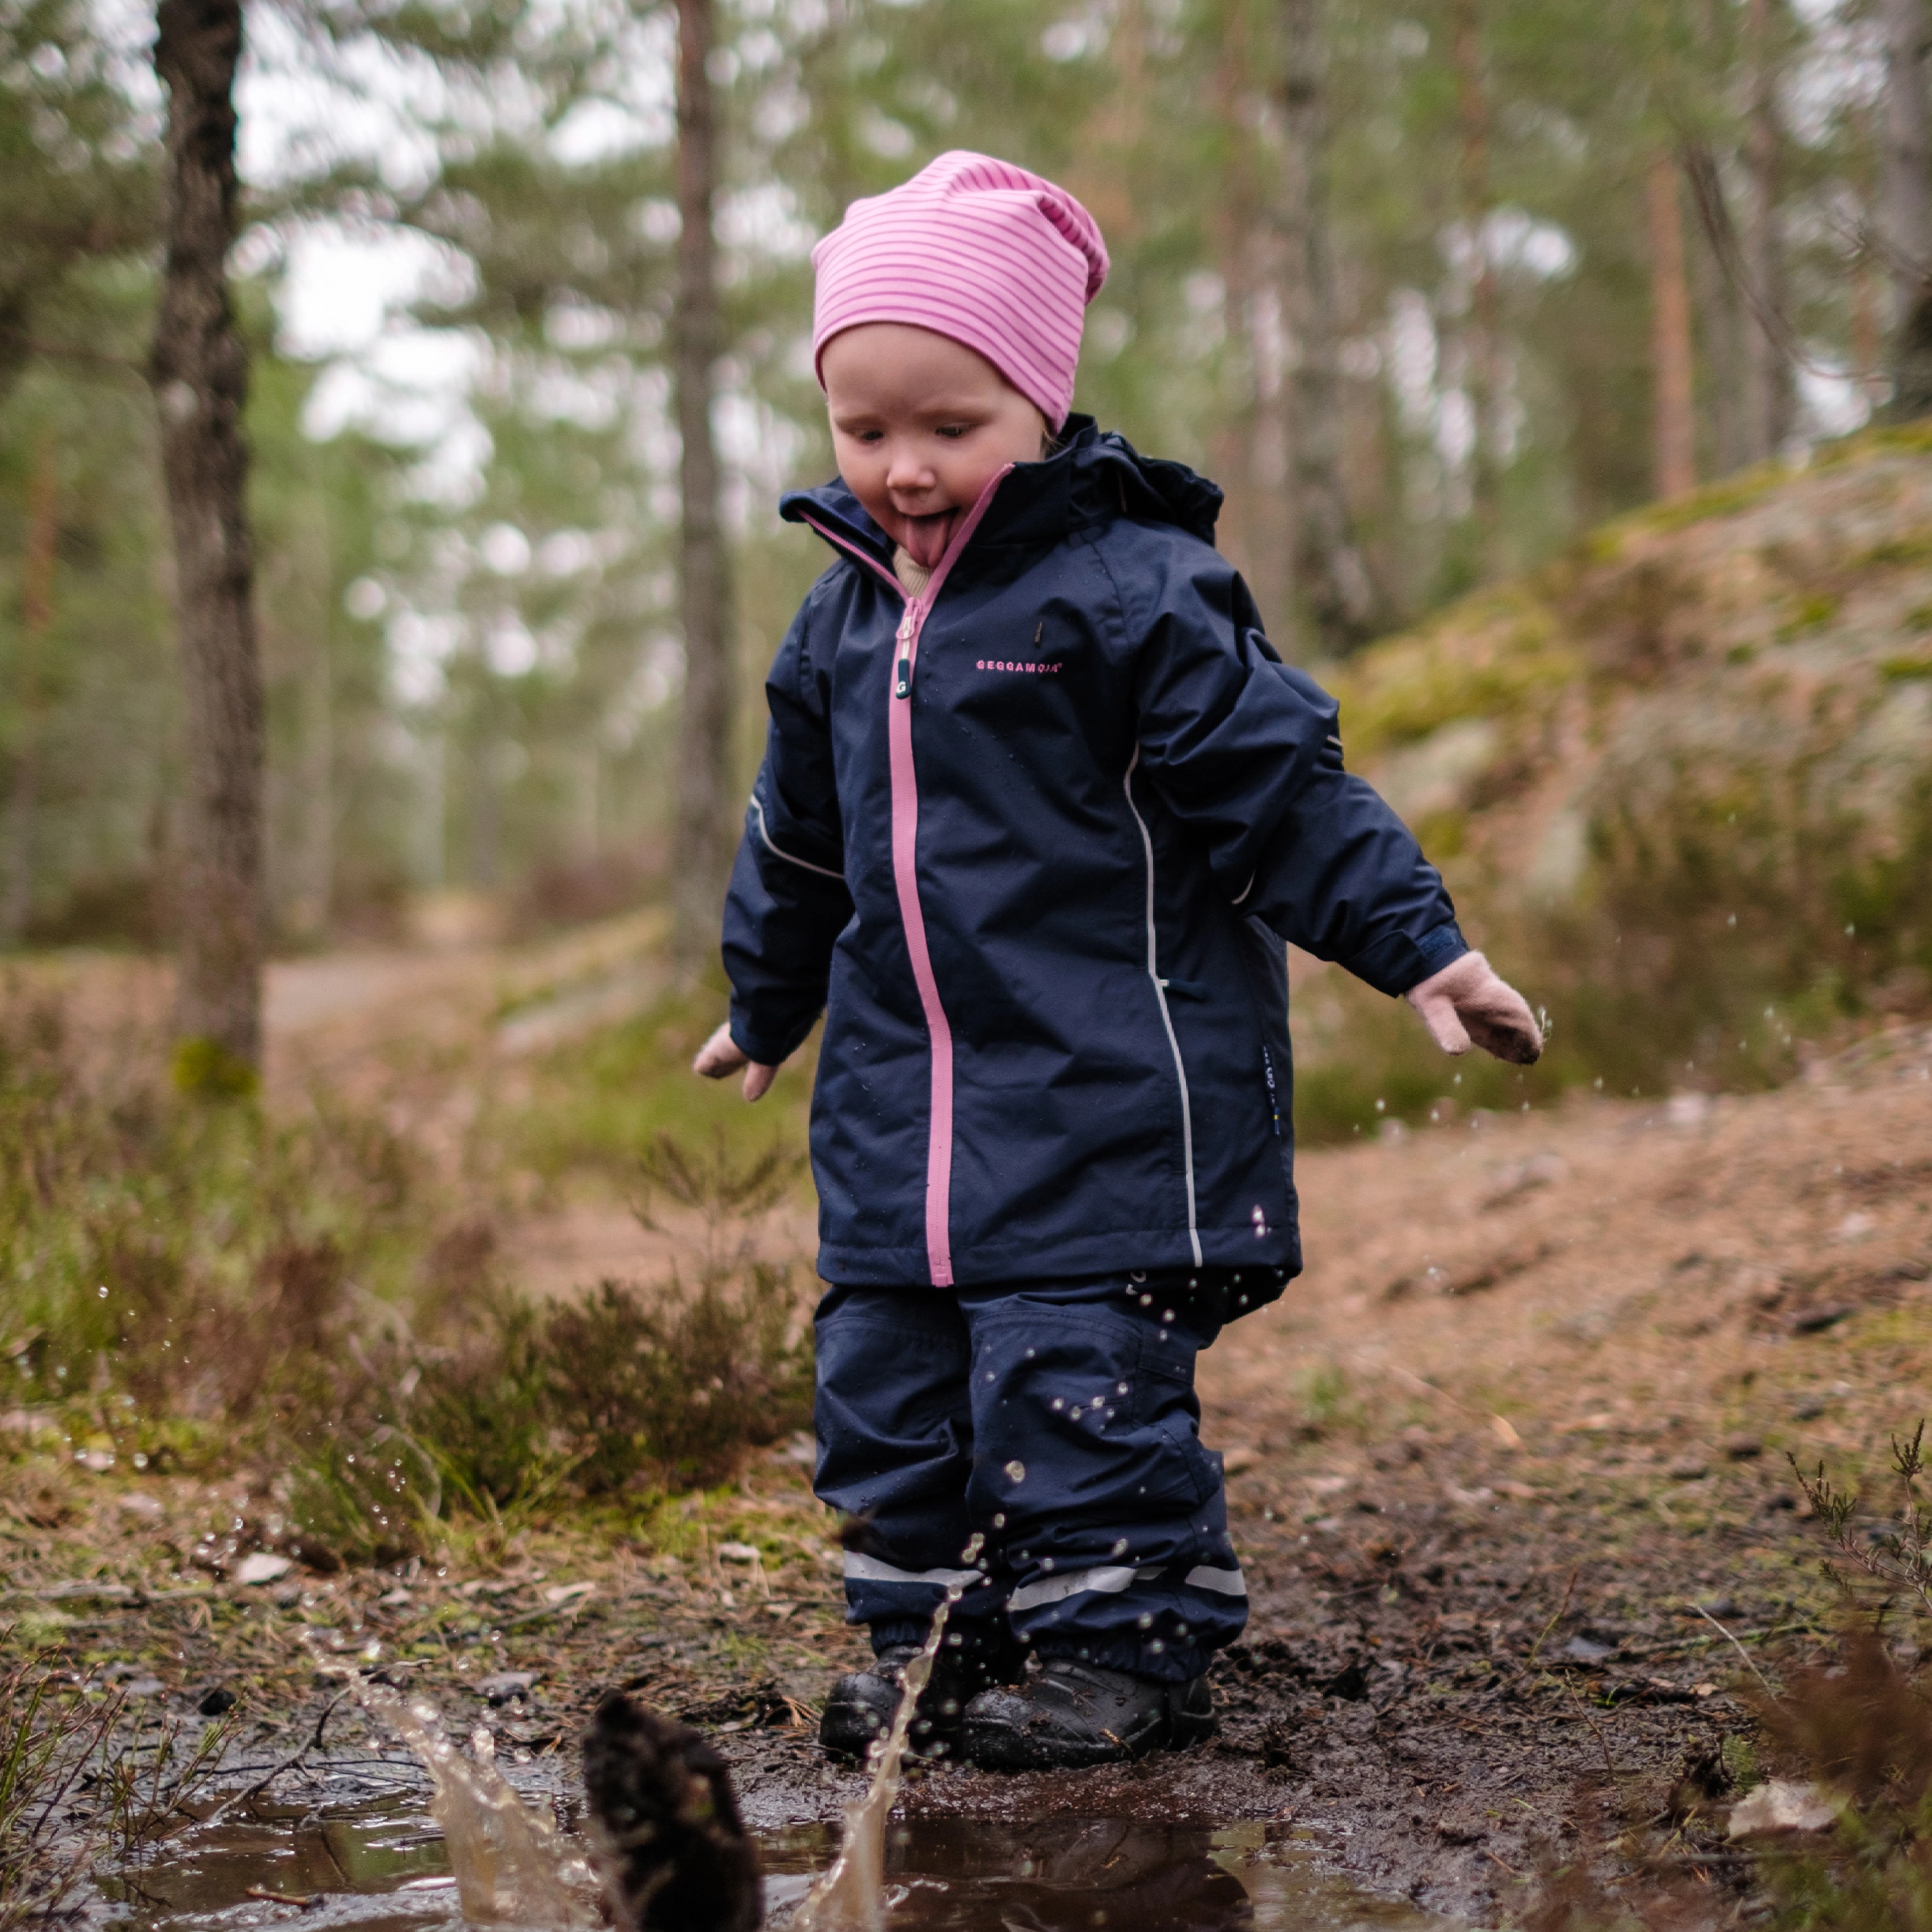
[{"x": 920, "y": 424}]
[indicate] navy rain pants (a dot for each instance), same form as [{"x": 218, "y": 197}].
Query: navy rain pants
[{"x": 1059, "y": 1423}]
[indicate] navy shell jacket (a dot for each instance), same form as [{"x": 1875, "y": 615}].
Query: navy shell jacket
[{"x": 1031, "y": 841}]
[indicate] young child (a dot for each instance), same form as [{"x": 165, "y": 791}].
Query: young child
[{"x": 1039, "y": 805}]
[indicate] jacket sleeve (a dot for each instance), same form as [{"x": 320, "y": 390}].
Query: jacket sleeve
[
  {"x": 787, "y": 902},
  {"x": 1247, "y": 752}
]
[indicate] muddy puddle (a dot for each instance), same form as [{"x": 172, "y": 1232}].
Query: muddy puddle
[{"x": 379, "y": 1864}]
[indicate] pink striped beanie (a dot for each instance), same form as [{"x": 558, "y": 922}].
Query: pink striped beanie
[{"x": 974, "y": 249}]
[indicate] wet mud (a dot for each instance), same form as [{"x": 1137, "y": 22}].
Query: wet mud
[{"x": 379, "y": 1866}]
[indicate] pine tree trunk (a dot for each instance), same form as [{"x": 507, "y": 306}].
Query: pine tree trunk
[
  {"x": 1905, "y": 201},
  {"x": 1330, "y": 575},
  {"x": 200, "y": 372},
  {"x": 1673, "y": 424},
  {"x": 36, "y": 617},
  {"x": 706, "y": 834},
  {"x": 1766, "y": 379},
  {"x": 1482, "y": 347}
]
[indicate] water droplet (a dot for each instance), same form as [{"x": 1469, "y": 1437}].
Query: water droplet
[
  {"x": 1120, "y": 1548},
  {"x": 1145, "y": 1620},
  {"x": 1046, "y": 1563},
  {"x": 1120, "y": 1388},
  {"x": 1167, "y": 1314},
  {"x": 1156, "y": 1646},
  {"x": 1057, "y": 1402},
  {"x": 1147, "y": 1301},
  {"x": 999, "y": 1521},
  {"x": 1016, "y": 1471}
]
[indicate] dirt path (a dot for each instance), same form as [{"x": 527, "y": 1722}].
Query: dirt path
[{"x": 1527, "y": 1410}]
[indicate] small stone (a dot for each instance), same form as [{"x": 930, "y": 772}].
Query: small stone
[
  {"x": 261, "y": 1568},
  {"x": 1688, "y": 1468},
  {"x": 1742, "y": 1448},
  {"x": 504, "y": 1684},
  {"x": 1586, "y": 1650},
  {"x": 215, "y": 1700}
]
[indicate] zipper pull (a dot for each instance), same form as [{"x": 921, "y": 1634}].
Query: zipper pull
[{"x": 902, "y": 680}]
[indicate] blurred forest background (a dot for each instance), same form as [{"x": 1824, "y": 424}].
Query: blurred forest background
[{"x": 1432, "y": 287}]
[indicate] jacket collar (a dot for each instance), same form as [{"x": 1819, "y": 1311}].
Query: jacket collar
[{"x": 1093, "y": 477}]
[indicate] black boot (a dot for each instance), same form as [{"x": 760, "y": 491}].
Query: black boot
[
  {"x": 1069, "y": 1715},
  {"x": 864, "y": 1703}
]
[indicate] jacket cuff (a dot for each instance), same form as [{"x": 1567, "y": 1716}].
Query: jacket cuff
[
  {"x": 768, "y": 1049},
  {"x": 1397, "y": 962}
]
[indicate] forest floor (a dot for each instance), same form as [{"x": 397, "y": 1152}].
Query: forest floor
[{"x": 1501, "y": 1464}]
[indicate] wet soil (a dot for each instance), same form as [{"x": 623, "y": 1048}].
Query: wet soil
[{"x": 1500, "y": 1468}]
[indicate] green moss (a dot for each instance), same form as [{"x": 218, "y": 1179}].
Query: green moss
[
  {"x": 207, "y": 1068},
  {"x": 1444, "y": 834},
  {"x": 1895, "y": 551},
  {"x": 1493, "y": 657},
  {"x": 1813, "y": 613},
  {"x": 1721, "y": 498},
  {"x": 1903, "y": 669}
]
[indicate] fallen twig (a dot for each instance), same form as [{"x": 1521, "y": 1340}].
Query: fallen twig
[
  {"x": 1750, "y": 1662},
  {"x": 287, "y": 1764}
]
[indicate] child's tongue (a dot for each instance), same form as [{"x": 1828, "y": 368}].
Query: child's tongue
[{"x": 923, "y": 539}]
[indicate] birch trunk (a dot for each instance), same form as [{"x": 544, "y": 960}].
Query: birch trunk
[
  {"x": 1673, "y": 424},
  {"x": 705, "y": 835},
  {"x": 1332, "y": 580},
  {"x": 200, "y": 374}
]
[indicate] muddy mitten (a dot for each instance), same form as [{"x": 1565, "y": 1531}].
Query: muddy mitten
[
  {"x": 675, "y": 1856},
  {"x": 1467, "y": 1003}
]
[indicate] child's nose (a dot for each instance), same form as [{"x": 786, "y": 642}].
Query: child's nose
[{"x": 906, "y": 470}]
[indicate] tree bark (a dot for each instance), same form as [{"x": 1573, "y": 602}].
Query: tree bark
[
  {"x": 36, "y": 618},
  {"x": 706, "y": 830},
  {"x": 200, "y": 372},
  {"x": 1330, "y": 575},
  {"x": 1482, "y": 347},
  {"x": 1672, "y": 423},
  {"x": 1905, "y": 203},
  {"x": 1767, "y": 385}
]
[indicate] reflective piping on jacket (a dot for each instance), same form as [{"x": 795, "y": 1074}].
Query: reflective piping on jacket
[
  {"x": 1167, "y": 1020},
  {"x": 1109, "y": 1579},
  {"x": 1228, "y": 1583},
  {"x": 825, "y": 871},
  {"x": 1245, "y": 891},
  {"x": 905, "y": 874},
  {"x": 870, "y": 1570}
]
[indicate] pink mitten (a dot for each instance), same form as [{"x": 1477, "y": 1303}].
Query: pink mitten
[{"x": 1466, "y": 1003}]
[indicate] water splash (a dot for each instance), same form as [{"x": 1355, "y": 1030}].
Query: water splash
[
  {"x": 850, "y": 1896},
  {"x": 511, "y": 1868}
]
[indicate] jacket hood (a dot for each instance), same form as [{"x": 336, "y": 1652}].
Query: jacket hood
[{"x": 1094, "y": 476}]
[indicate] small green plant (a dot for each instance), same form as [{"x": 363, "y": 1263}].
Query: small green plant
[
  {"x": 1894, "y": 1558},
  {"x": 48, "y": 1734}
]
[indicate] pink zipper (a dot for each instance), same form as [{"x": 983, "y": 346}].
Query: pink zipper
[{"x": 905, "y": 876}]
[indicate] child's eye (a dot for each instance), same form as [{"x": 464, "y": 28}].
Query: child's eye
[{"x": 953, "y": 431}]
